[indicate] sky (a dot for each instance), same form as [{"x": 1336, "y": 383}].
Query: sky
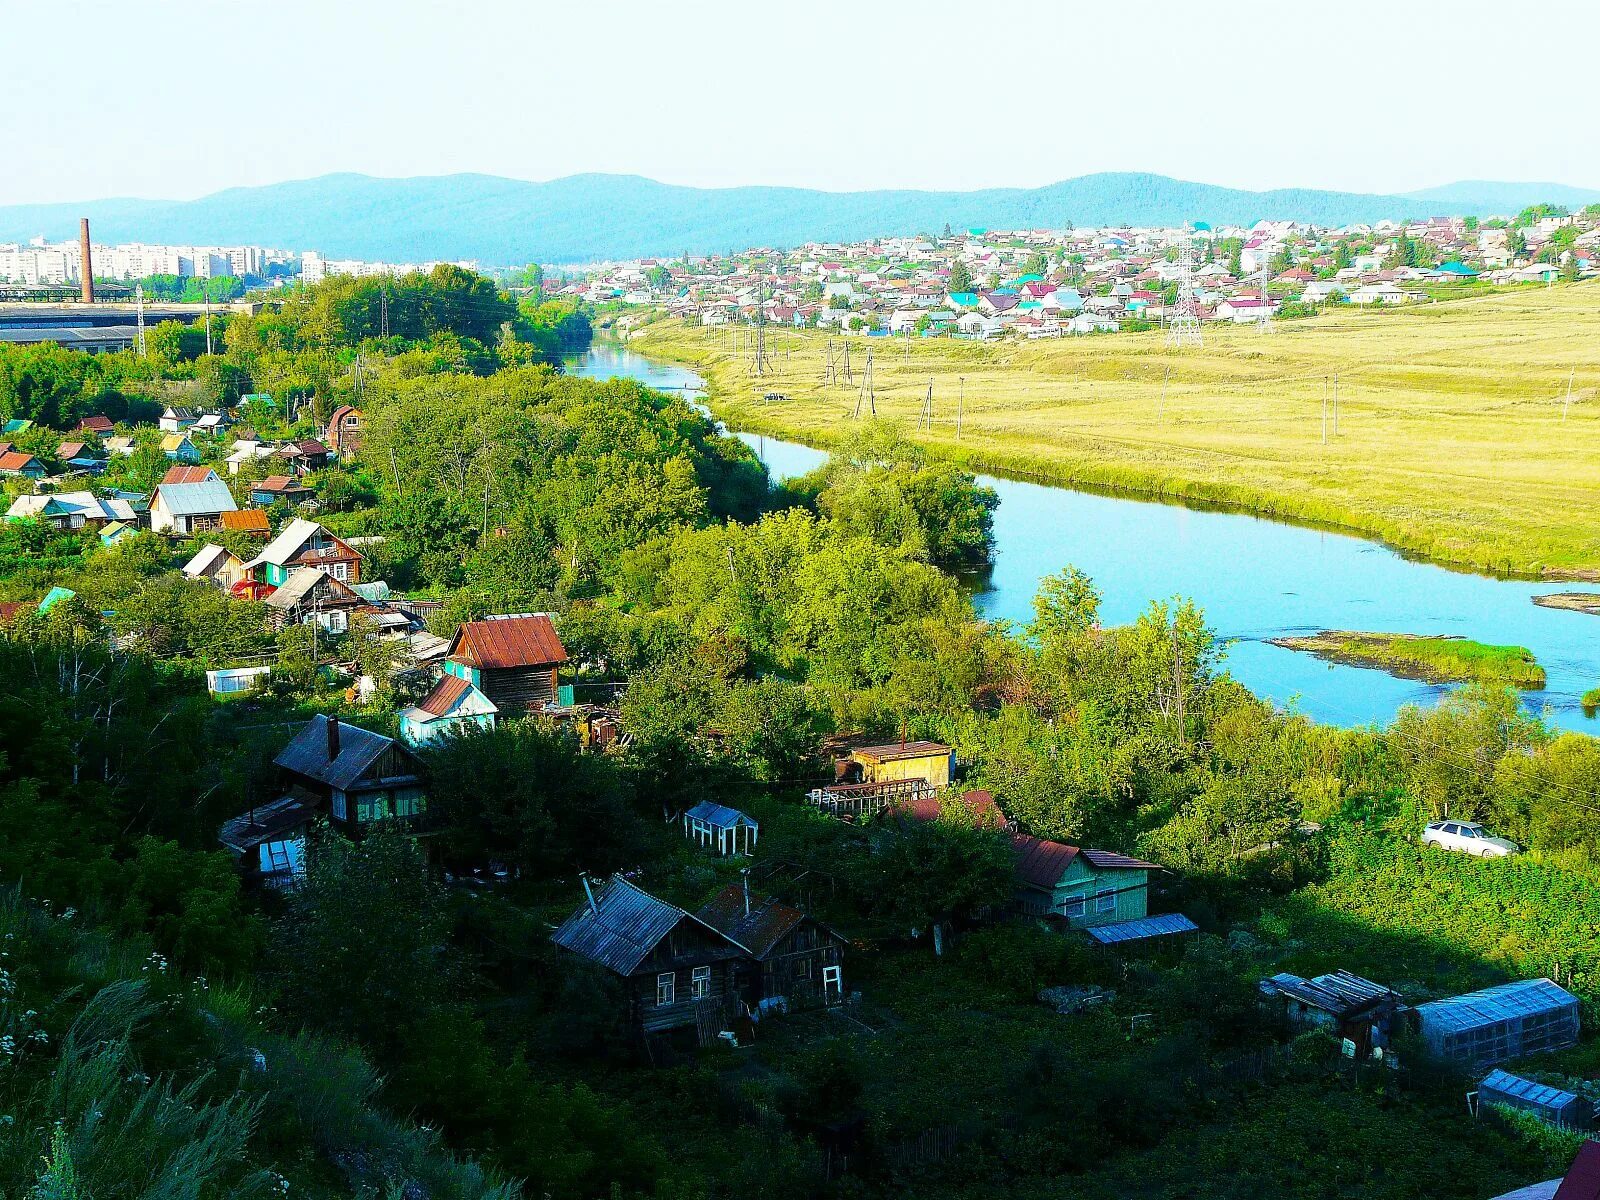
[{"x": 178, "y": 98}]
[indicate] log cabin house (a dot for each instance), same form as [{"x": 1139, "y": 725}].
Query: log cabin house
[
  {"x": 795, "y": 962},
  {"x": 512, "y": 659},
  {"x": 303, "y": 543},
  {"x": 1083, "y": 887},
  {"x": 673, "y": 964},
  {"x": 356, "y": 776}
]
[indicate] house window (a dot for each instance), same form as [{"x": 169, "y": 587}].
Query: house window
[
  {"x": 338, "y": 806},
  {"x": 700, "y": 982},
  {"x": 666, "y": 989},
  {"x": 1075, "y": 905},
  {"x": 802, "y": 968},
  {"x": 341, "y": 571},
  {"x": 1105, "y": 901}
]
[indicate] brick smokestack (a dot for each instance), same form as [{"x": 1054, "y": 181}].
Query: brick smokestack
[{"x": 86, "y": 264}]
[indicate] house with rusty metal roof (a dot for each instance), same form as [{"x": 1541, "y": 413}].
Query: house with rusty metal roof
[
  {"x": 673, "y": 965},
  {"x": 1083, "y": 887},
  {"x": 514, "y": 660},
  {"x": 453, "y": 706},
  {"x": 795, "y": 961},
  {"x": 357, "y": 776}
]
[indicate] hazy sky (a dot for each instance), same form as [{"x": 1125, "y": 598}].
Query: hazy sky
[{"x": 178, "y": 98}]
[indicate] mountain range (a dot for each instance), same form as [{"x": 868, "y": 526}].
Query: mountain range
[{"x": 588, "y": 218}]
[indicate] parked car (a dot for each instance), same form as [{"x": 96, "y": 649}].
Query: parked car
[{"x": 1467, "y": 837}]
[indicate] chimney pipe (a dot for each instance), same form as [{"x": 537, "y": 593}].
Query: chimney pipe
[
  {"x": 588, "y": 892},
  {"x": 745, "y": 872},
  {"x": 86, "y": 263},
  {"x": 333, "y": 738}
]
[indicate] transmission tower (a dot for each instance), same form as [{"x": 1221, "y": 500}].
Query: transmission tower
[
  {"x": 138, "y": 300},
  {"x": 1183, "y": 326},
  {"x": 759, "y": 362}
]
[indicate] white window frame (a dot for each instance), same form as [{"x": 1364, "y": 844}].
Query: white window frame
[
  {"x": 700, "y": 982},
  {"x": 1105, "y": 900},
  {"x": 666, "y": 989},
  {"x": 1075, "y": 905},
  {"x": 833, "y": 977}
]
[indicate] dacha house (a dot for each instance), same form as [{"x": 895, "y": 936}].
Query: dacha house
[
  {"x": 357, "y": 777},
  {"x": 513, "y": 660}
]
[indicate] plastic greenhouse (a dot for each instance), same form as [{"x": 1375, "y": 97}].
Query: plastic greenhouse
[
  {"x": 1501, "y": 1022},
  {"x": 1563, "y": 1109}
]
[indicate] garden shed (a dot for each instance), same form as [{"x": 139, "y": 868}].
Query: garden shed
[
  {"x": 1512, "y": 1019},
  {"x": 1564, "y": 1110},
  {"x": 725, "y": 829}
]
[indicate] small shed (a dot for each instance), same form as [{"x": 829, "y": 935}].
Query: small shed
[
  {"x": 1565, "y": 1110},
  {"x": 1508, "y": 1021},
  {"x": 931, "y": 762},
  {"x": 1355, "y": 1008},
  {"x": 727, "y": 830}
]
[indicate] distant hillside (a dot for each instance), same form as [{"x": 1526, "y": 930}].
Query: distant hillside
[{"x": 589, "y": 217}]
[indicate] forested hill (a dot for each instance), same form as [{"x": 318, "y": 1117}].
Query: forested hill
[{"x": 583, "y": 218}]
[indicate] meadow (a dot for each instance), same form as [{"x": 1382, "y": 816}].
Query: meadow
[
  {"x": 1464, "y": 431},
  {"x": 1434, "y": 659}
]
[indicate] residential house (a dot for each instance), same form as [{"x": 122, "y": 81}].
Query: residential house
[
  {"x": 452, "y": 706},
  {"x": 121, "y": 444},
  {"x": 311, "y": 594},
  {"x": 343, "y": 435},
  {"x": 184, "y": 509},
  {"x": 81, "y": 456},
  {"x": 176, "y": 419},
  {"x": 21, "y": 463},
  {"x": 1085, "y": 887},
  {"x": 795, "y": 962},
  {"x": 671, "y": 962},
  {"x": 216, "y": 565},
  {"x": 358, "y": 777},
  {"x": 97, "y": 426},
  {"x": 269, "y": 841},
  {"x": 252, "y": 522},
  {"x": 513, "y": 659},
  {"x": 1242, "y": 310},
  {"x": 280, "y": 487},
  {"x": 303, "y": 543},
  {"x": 70, "y": 510},
  {"x": 115, "y": 531},
  {"x": 180, "y": 473},
  {"x": 212, "y": 424},
  {"x": 931, "y": 762},
  {"x": 179, "y": 448},
  {"x": 308, "y": 454},
  {"x": 1384, "y": 292},
  {"x": 726, "y": 830}
]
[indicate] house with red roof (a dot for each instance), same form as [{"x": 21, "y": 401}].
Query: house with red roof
[
  {"x": 513, "y": 660},
  {"x": 1084, "y": 887},
  {"x": 453, "y": 706}
]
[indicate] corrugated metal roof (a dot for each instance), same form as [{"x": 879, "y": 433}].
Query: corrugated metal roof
[
  {"x": 1515, "y": 1086},
  {"x": 1109, "y": 860},
  {"x": 979, "y": 805},
  {"x": 898, "y": 750},
  {"x": 1039, "y": 862},
  {"x": 307, "y": 753},
  {"x": 249, "y": 520},
  {"x": 179, "y": 473},
  {"x": 624, "y": 926},
  {"x": 760, "y": 930},
  {"x": 1164, "y": 925},
  {"x": 719, "y": 815},
  {"x": 519, "y": 640},
  {"x": 264, "y": 823},
  {"x": 446, "y": 694},
  {"x": 196, "y": 499},
  {"x": 1339, "y": 992},
  {"x": 290, "y": 538},
  {"x": 1506, "y": 1002}
]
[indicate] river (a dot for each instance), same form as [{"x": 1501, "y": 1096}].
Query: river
[{"x": 1255, "y": 579}]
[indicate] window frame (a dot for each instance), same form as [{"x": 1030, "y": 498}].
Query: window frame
[
  {"x": 667, "y": 987},
  {"x": 699, "y": 983},
  {"x": 1105, "y": 900},
  {"x": 1075, "y": 905}
]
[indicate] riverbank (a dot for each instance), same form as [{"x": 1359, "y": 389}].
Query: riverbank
[
  {"x": 1582, "y": 602},
  {"x": 1429, "y": 659},
  {"x": 1451, "y": 439}
]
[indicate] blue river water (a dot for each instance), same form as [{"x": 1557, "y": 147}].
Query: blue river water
[{"x": 1254, "y": 578}]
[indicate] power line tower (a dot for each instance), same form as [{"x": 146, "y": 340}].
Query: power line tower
[
  {"x": 867, "y": 393},
  {"x": 849, "y": 377},
  {"x": 925, "y": 418},
  {"x": 759, "y": 362},
  {"x": 828, "y": 370},
  {"x": 138, "y": 301},
  {"x": 1183, "y": 326}
]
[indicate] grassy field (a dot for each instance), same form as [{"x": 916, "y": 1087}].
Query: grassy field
[
  {"x": 1434, "y": 659},
  {"x": 1454, "y": 437}
]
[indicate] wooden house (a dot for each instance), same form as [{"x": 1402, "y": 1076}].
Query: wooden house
[
  {"x": 251, "y": 522},
  {"x": 303, "y": 543},
  {"x": 269, "y": 841},
  {"x": 343, "y": 435},
  {"x": 674, "y": 965},
  {"x": 931, "y": 762},
  {"x": 452, "y": 706},
  {"x": 190, "y": 508},
  {"x": 311, "y": 594},
  {"x": 216, "y": 565},
  {"x": 189, "y": 473},
  {"x": 179, "y": 448},
  {"x": 1347, "y": 1005},
  {"x": 21, "y": 463},
  {"x": 725, "y": 830},
  {"x": 513, "y": 660},
  {"x": 358, "y": 777},
  {"x": 71, "y": 510},
  {"x": 1083, "y": 887},
  {"x": 794, "y": 961},
  {"x": 99, "y": 426},
  {"x": 177, "y": 418},
  {"x": 280, "y": 487}
]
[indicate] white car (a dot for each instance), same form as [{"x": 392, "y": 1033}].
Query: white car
[{"x": 1467, "y": 837}]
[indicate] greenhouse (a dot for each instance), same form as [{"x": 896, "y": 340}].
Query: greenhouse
[
  {"x": 1501, "y": 1022},
  {"x": 1562, "y": 1109}
]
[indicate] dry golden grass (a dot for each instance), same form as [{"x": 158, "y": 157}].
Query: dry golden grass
[{"x": 1454, "y": 439}]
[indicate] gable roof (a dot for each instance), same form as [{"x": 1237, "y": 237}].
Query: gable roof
[
  {"x": 719, "y": 815},
  {"x": 302, "y": 582},
  {"x": 898, "y": 750},
  {"x": 307, "y": 752},
  {"x": 180, "y": 473},
  {"x": 17, "y": 460},
  {"x": 246, "y": 520},
  {"x": 290, "y": 541},
  {"x": 624, "y": 926},
  {"x": 196, "y": 499},
  {"x": 450, "y": 694},
  {"x": 265, "y": 823},
  {"x": 207, "y": 559},
  {"x": 1041, "y": 863},
  {"x": 760, "y": 930},
  {"x": 516, "y": 640}
]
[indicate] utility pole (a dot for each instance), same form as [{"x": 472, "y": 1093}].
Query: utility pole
[
  {"x": 925, "y": 418},
  {"x": 961, "y": 400},
  {"x": 1336, "y": 404},
  {"x": 383, "y": 311},
  {"x": 1571, "y": 375},
  {"x": 138, "y": 300},
  {"x": 1324, "y": 410}
]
